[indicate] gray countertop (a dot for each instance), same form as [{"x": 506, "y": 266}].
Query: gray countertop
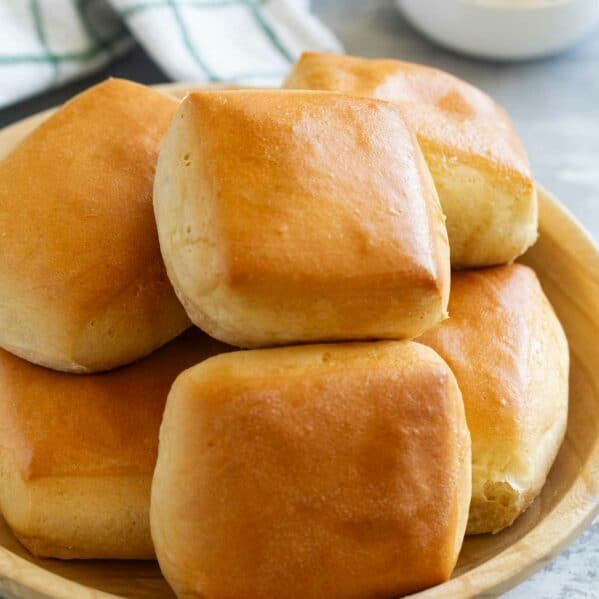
[{"x": 555, "y": 106}]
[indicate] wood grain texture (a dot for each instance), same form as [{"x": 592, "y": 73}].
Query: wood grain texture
[{"x": 567, "y": 262}]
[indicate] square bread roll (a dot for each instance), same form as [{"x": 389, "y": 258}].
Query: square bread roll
[
  {"x": 312, "y": 472},
  {"x": 289, "y": 217},
  {"x": 82, "y": 284},
  {"x": 509, "y": 354},
  {"x": 77, "y": 452},
  {"x": 478, "y": 163}
]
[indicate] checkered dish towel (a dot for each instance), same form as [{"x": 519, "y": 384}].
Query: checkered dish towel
[{"x": 44, "y": 43}]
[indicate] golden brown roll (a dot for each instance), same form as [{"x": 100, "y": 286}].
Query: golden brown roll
[
  {"x": 77, "y": 452},
  {"x": 480, "y": 169},
  {"x": 289, "y": 217},
  {"x": 510, "y": 356},
  {"x": 312, "y": 472},
  {"x": 82, "y": 284}
]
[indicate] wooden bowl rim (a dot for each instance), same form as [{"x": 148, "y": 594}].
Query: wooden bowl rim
[{"x": 575, "y": 510}]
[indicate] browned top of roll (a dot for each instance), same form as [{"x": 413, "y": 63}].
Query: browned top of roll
[
  {"x": 53, "y": 423},
  {"x": 380, "y": 198},
  {"x": 500, "y": 334},
  {"x": 445, "y": 111},
  {"x": 82, "y": 283},
  {"x": 312, "y": 471}
]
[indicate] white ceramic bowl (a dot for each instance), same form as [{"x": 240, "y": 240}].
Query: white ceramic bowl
[{"x": 503, "y": 29}]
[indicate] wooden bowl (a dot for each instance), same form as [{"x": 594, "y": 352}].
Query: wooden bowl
[{"x": 567, "y": 262}]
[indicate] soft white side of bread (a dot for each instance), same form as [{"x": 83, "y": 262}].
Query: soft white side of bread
[
  {"x": 493, "y": 231},
  {"x": 78, "y": 516}
]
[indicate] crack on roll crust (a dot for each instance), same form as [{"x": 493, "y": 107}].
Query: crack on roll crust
[{"x": 497, "y": 508}]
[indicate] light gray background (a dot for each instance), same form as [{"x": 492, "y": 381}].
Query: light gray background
[{"x": 555, "y": 106}]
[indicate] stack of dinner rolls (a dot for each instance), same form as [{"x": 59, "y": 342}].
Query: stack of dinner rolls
[{"x": 395, "y": 405}]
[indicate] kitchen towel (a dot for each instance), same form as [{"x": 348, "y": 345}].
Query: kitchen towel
[{"x": 44, "y": 43}]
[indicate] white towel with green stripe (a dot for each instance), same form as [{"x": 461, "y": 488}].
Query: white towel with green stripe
[{"x": 44, "y": 43}]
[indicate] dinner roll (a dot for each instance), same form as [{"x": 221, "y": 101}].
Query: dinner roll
[
  {"x": 82, "y": 285},
  {"x": 476, "y": 159},
  {"x": 312, "y": 472},
  {"x": 290, "y": 216},
  {"x": 78, "y": 452},
  {"x": 509, "y": 354}
]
